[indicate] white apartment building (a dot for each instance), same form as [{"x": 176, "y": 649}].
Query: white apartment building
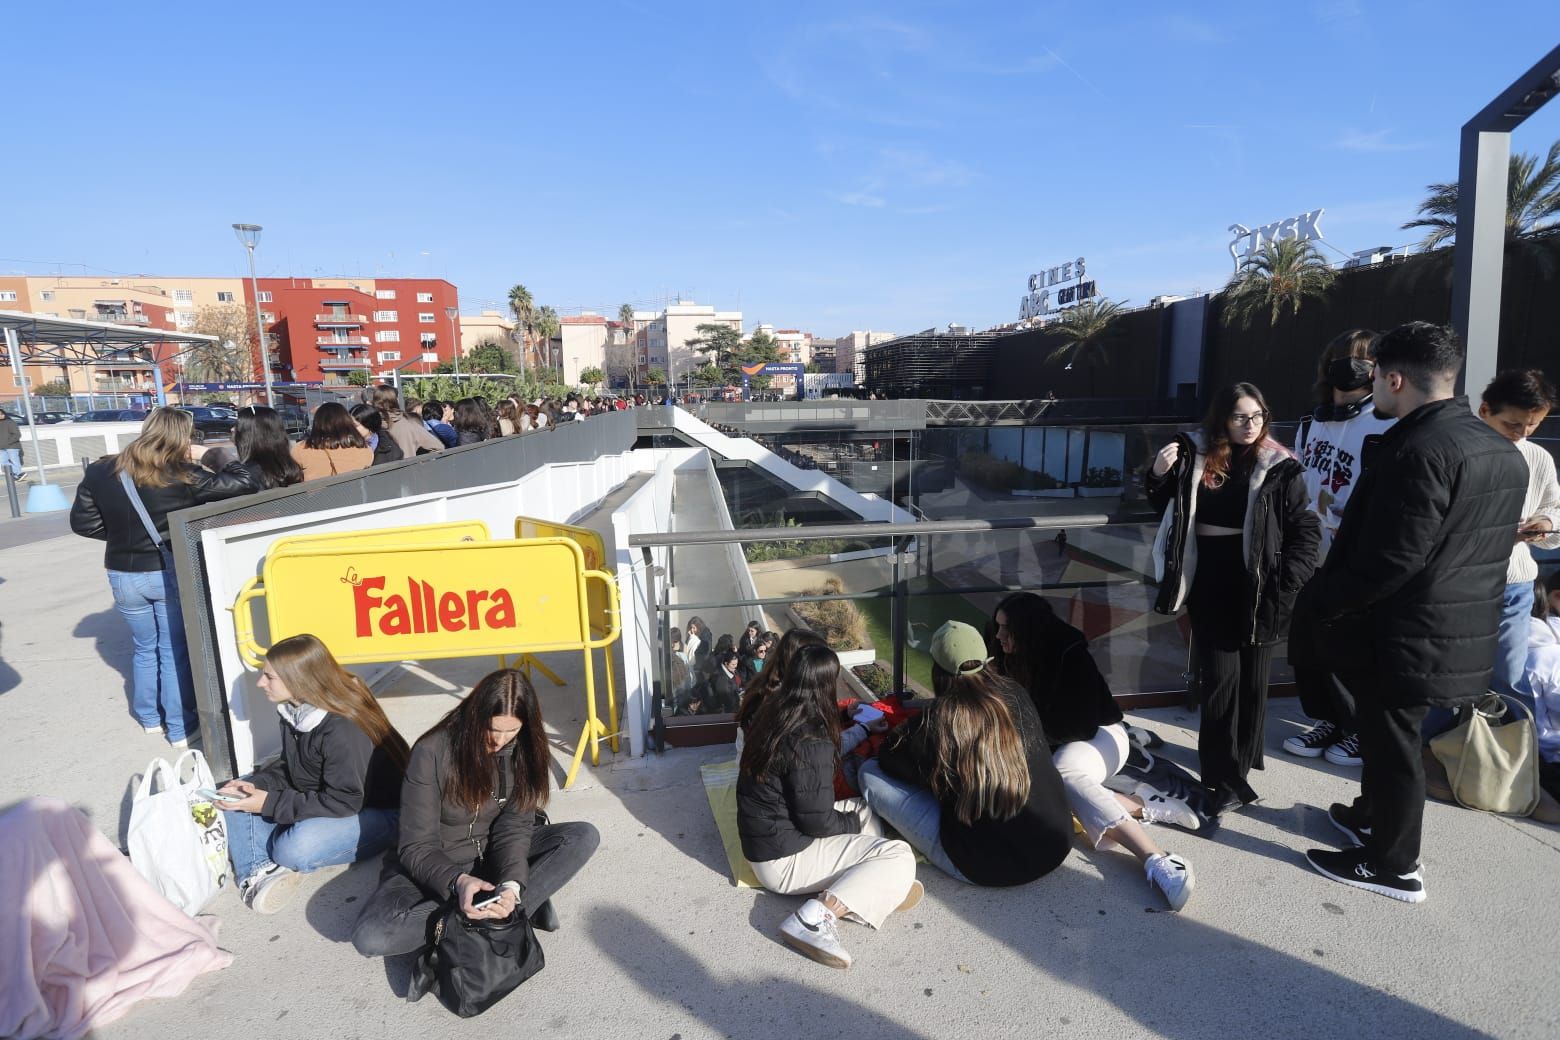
[
  {"x": 851, "y": 352},
  {"x": 661, "y": 337}
]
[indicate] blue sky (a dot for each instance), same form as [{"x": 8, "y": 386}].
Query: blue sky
[{"x": 830, "y": 166}]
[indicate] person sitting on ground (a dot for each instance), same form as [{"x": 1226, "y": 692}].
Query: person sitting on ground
[
  {"x": 472, "y": 422},
  {"x": 409, "y": 434},
  {"x": 797, "y": 838},
  {"x": 334, "y": 794},
  {"x": 761, "y": 686},
  {"x": 472, "y": 825},
  {"x": 970, "y": 782},
  {"x": 1088, "y": 737},
  {"x": 436, "y": 415},
  {"x": 333, "y": 445},
  {"x": 371, "y": 427},
  {"x": 261, "y": 443},
  {"x": 1513, "y": 405}
]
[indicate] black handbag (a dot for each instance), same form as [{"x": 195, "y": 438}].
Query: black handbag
[{"x": 472, "y": 965}]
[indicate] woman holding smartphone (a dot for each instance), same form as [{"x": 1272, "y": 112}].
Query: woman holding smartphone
[
  {"x": 472, "y": 826},
  {"x": 333, "y": 795}
]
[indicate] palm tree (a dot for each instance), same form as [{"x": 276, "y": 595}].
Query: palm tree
[
  {"x": 1281, "y": 274},
  {"x": 1532, "y": 201},
  {"x": 524, "y": 310},
  {"x": 546, "y": 327},
  {"x": 1085, "y": 330},
  {"x": 626, "y": 319}
]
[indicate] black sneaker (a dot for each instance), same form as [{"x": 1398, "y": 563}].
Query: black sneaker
[
  {"x": 1313, "y": 741},
  {"x": 1352, "y": 867},
  {"x": 1350, "y": 822}
]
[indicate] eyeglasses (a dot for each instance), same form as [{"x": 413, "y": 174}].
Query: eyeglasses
[{"x": 1253, "y": 419}]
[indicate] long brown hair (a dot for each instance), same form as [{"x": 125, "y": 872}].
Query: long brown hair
[
  {"x": 768, "y": 681},
  {"x": 804, "y": 706},
  {"x": 472, "y": 765},
  {"x": 1221, "y": 457},
  {"x": 386, "y": 400},
  {"x": 160, "y": 455},
  {"x": 332, "y": 427},
  {"x": 310, "y": 673},
  {"x": 981, "y": 766}
]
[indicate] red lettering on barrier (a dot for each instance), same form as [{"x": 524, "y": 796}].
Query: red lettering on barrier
[
  {"x": 364, "y": 603},
  {"x": 423, "y": 611},
  {"x": 451, "y": 612}
]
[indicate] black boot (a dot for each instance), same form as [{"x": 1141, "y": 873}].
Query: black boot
[{"x": 544, "y": 918}]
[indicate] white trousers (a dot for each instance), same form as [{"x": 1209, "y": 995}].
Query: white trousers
[
  {"x": 1085, "y": 765},
  {"x": 867, "y": 872}
]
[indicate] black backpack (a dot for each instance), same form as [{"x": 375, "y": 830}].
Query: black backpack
[{"x": 472, "y": 965}]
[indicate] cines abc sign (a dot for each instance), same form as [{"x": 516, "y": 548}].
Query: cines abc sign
[{"x": 1039, "y": 301}]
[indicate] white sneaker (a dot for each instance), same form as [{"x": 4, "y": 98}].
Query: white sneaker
[
  {"x": 272, "y": 888},
  {"x": 1172, "y": 875},
  {"x": 1159, "y": 807},
  {"x": 811, "y": 932},
  {"x": 1313, "y": 741},
  {"x": 913, "y": 897}
]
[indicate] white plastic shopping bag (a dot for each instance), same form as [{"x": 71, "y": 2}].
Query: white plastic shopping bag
[{"x": 178, "y": 840}]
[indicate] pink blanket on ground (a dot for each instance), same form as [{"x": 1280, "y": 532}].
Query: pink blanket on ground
[{"x": 82, "y": 935}]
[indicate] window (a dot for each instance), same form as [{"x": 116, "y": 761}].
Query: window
[
  {"x": 77, "y": 312},
  {"x": 267, "y": 316},
  {"x": 384, "y": 294},
  {"x": 264, "y": 297},
  {"x": 224, "y": 297},
  {"x": 387, "y": 316},
  {"x": 183, "y": 319},
  {"x": 428, "y": 338},
  {"x": 184, "y": 296},
  {"x": 426, "y": 317},
  {"x": 425, "y": 297},
  {"x": 46, "y": 295},
  {"x": 388, "y": 336},
  {"x": 389, "y": 355},
  {"x": 430, "y": 357},
  {"x": 7, "y": 295}
]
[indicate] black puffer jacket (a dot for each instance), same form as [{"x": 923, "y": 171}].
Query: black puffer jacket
[
  {"x": 103, "y": 511},
  {"x": 780, "y": 815},
  {"x": 1282, "y": 538},
  {"x": 1071, "y": 696},
  {"x": 440, "y": 840},
  {"x": 333, "y": 770},
  {"x": 1411, "y": 590}
]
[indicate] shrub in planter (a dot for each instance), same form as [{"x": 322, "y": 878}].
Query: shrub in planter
[
  {"x": 1102, "y": 477},
  {"x": 875, "y": 678},
  {"x": 838, "y": 621}
]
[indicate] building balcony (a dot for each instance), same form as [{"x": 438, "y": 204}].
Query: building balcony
[
  {"x": 342, "y": 364},
  {"x": 120, "y": 318},
  {"x": 342, "y": 342},
  {"x": 340, "y": 319}
]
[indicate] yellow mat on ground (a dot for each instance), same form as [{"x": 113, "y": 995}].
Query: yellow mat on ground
[{"x": 720, "y": 787}]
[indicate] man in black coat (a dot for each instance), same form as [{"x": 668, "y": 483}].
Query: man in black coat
[{"x": 1407, "y": 605}]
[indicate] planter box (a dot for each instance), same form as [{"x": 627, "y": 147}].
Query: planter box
[
  {"x": 1065, "y": 492},
  {"x": 1100, "y": 492},
  {"x": 848, "y": 658}
]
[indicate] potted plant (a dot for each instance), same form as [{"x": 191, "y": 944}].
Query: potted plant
[{"x": 1101, "y": 482}]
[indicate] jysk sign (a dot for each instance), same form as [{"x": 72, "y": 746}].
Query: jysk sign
[
  {"x": 1069, "y": 284},
  {"x": 1307, "y": 227}
]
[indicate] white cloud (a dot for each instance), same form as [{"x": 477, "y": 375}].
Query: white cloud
[
  {"x": 1374, "y": 141},
  {"x": 862, "y": 198}
]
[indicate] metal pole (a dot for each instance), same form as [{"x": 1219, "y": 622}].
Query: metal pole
[
  {"x": 1479, "y": 252},
  {"x": 10, "y": 492},
  {"x": 449, "y": 312},
  {"x": 265, "y": 355},
  {"x": 13, "y": 346}
]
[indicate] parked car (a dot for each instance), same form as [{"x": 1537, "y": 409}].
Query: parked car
[
  {"x": 112, "y": 415},
  {"x": 211, "y": 423},
  {"x": 296, "y": 419},
  {"x": 42, "y": 418}
]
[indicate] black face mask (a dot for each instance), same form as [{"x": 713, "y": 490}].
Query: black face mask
[{"x": 1349, "y": 373}]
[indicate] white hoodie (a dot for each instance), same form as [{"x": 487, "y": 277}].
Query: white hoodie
[{"x": 1330, "y": 463}]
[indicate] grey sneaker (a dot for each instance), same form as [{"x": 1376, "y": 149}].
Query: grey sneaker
[
  {"x": 1172, "y": 875},
  {"x": 1313, "y": 741},
  {"x": 267, "y": 891},
  {"x": 811, "y": 932}
]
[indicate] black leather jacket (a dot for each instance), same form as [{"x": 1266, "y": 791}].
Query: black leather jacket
[{"x": 103, "y": 511}]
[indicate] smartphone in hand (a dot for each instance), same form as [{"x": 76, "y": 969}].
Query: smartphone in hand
[{"x": 492, "y": 897}]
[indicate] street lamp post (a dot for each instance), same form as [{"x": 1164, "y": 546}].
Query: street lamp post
[
  {"x": 249, "y": 236},
  {"x": 450, "y": 312}
]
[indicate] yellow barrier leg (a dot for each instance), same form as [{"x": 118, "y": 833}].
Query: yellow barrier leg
[
  {"x": 593, "y": 730},
  {"x": 529, "y": 661},
  {"x": 612, "y": 704}
]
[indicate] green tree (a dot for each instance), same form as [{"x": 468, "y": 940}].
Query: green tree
[
  {"x": 1532, "y": 201},
  {"x": 655, "y": 377},
  {"x": 1085, "y": 331},
  {"x": 357, "y": 377},
  {"x": 489, "y": 356},
  {"x": 718, "y": 343},
  {"x": 55, "y": 388},
  {"x": 523, "y": 308},
  {"x": 593, "y": 376},
  {"x": 546, "y": 329},
  {"x": 1280, "y": 276},
  {"x": 626, "y": 319},
  {"x": 708, "y": 375}
]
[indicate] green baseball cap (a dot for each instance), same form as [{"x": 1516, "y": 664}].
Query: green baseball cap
[{"x": 956, "y": 644}]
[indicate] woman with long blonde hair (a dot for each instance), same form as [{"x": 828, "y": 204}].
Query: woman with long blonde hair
[
  {"x": 970, "y": 782},
  {"x": 125, "y": 500},
  {"x": 333, "y": 796}
]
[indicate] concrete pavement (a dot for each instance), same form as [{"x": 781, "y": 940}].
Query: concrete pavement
[{"x": 657, "y": 943}]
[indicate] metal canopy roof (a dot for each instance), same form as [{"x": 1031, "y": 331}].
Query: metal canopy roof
[{"x": 71, "y": 342}]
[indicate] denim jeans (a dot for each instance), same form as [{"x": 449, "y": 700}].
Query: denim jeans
[
  {"x": 911, "y": 810},
  {"x": 322, "y": 841},
  {"x": 1516, "y": 605},
  {"x": 12, "y": 457},
  {"x": 160, "y": 695}
]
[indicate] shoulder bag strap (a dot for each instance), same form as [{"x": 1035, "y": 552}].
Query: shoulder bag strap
[{"x": 140, "y": 508}]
